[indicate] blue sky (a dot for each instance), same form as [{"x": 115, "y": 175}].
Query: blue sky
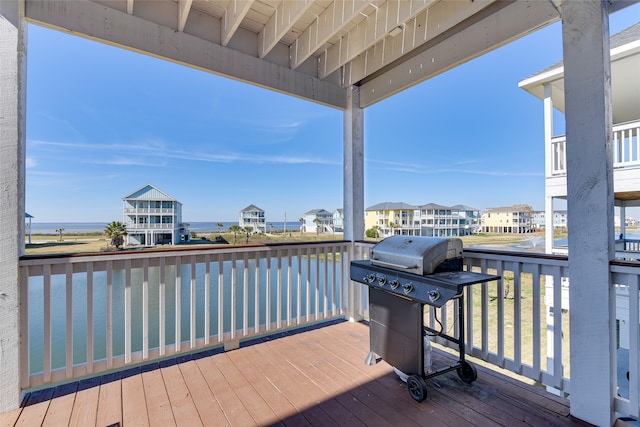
[{"x": 103, "y": 122}]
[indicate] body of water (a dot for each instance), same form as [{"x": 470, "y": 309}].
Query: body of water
[{"x": 98, "y": 227}]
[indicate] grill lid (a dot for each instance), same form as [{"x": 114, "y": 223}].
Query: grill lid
[{"x": 415, "y": 254}]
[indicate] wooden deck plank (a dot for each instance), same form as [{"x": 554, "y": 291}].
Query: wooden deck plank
[
  {"x": 157, "y": 400},
  {"x": 183, "y": 408},
  {"x": 9, "y": 419},
  {"x": 85, "y": 407},
  {"x": 232, "y": 407},
  {"x": 110, "y": 404},
  {"x": 134, "y": 406},
  {"x": 313, "y": 378},
  {"x": 59, "y": 412},
  {"x": 251, "y": 399},
  {"x": 206, "y": 403}
]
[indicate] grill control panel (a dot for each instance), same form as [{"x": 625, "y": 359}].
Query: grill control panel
[{"x": 432, "y": 289}]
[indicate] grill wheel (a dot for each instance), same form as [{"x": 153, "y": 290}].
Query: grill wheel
[
  {"x": 467, "y": 372},
  {"x": 417, "y": 388}
]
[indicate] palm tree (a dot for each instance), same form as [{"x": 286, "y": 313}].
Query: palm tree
[
  {"x": 219, "y": 225},
  {"x": 116, "y": 232},
  {"x": 376, "y": 231},
  {"x": 59, "y": 231},
  {"x": 317, "y": 221},
  {"x": 301, "y": 224},
  {"x": 235, "y": 229},
  {"x": 393, "y": 226}
]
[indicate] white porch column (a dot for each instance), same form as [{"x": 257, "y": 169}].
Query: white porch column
[
  {"x": 548, "y": 134},
  {"x": 353, "y": 187},
  {"x": 13, "y": 73},
  {"x": 587, "y": 71}
]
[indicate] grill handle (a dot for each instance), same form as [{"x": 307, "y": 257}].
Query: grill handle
[{"x": 391, "y": 265}]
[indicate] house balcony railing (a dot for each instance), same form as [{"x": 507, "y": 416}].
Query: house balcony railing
[
  {"x": 114, "y": 310},
  {"x": 625, "y": 146},
  {"x": 149, "y": 211},
  {"x": 132, "y": 226}
]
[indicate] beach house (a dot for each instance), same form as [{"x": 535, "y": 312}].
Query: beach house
[
  {"x": 549, "y": 86},
  {"x": 317, "y": 221},
  {"x": 226, "y": 365},
  {"x": 516, "y": 219},
  {"x": 153, "y": 218},
  {"x": 254, "y": 218}
]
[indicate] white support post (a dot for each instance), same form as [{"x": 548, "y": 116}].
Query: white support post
[
  {"x": 587, "y": 71},
  {"x": 13, "y": 73},
  {"x": 353, "y": 189},
  {"x": 353, "y": 179},
  {"x": 548, "y": 164}
]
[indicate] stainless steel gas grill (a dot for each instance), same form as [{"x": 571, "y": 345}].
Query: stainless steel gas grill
[{"x": 403, "y": 274}]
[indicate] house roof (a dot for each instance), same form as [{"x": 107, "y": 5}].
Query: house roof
[
  {"x": 625, "y": 68},
  {"x": 391, "y": 206},
  {"x": 514, "y": 208},
  {"x": 434, "y": 206},
  {"x": 464, "y": 208},
  {"x": 317, "y": 211},
  {"x": 149, "y": 192},
  {"x": 252, "y": 208}
]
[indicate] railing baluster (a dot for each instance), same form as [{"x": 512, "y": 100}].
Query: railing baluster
[
  {"x": 178, "y": 304},
  {"x": 517, "y": 317},
  {"x": 109, "y": 315},
  {"x": 234, "y": 284},
  {"x": 537, "y": 332},
  {"x": 317, "y": 284},
  {"x": 325, "y": 284},
  {"x": 46, "y": 345},
  {"x": 308, "y": 284},
  {"x": 634, "y": 343},
  {"x": 192, "y": 304},
  {"x": 557, "y": 329},
  {"x": 207, "y": 299},
  {"x": 289, "y": 290},
  {"x": 279, "y": 291},
  {"x": 145, "y": 309},
  {"x": 245, "y": 295},
  {"x": 162, "y": 307},
  {"x": 25, "y": 325},
  {"x": 256, "y": 304},
  {"x": 267, "y": 295},
  {"x": 299, "y": 286},
  {"x": 89, "y": 326},
  {"x": 69, "y": 320},
  {"x": 220, "y": 298},
  {"x": 127, "y": 311}
]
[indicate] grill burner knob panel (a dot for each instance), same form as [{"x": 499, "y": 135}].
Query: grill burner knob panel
[{"x": 407, "y": 288}]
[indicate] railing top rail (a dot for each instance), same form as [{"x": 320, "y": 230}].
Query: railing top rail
[{"x": 173, "y": 251}]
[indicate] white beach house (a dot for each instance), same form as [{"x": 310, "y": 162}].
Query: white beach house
[
  {"x": 153, "y": 218},
  {"x": 317, "y": 221},
  {"x": 549, "y": 86},
  {"x": 254, "y": 217}
]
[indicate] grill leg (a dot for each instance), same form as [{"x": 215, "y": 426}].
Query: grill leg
[{"x": 371, "y": 359}]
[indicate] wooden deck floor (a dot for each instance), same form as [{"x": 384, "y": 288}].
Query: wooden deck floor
[{"x": 314, "y": 378}]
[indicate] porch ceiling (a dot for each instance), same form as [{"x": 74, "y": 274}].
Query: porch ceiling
[{"x": 311, "y": 49}]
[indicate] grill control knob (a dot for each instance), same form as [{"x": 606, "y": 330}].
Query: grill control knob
[
  {"x": 394, "y": 284},
  {"x": 382, "y": 280},
  {"x": 434, "y": 295},
  {"x": 370, "y": 278},
  {"x": 407, "y": 288}
]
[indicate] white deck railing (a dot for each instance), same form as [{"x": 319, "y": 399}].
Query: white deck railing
[
  {"x": 625, "y": 145},
  {"x": 86, "y": 314}
]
